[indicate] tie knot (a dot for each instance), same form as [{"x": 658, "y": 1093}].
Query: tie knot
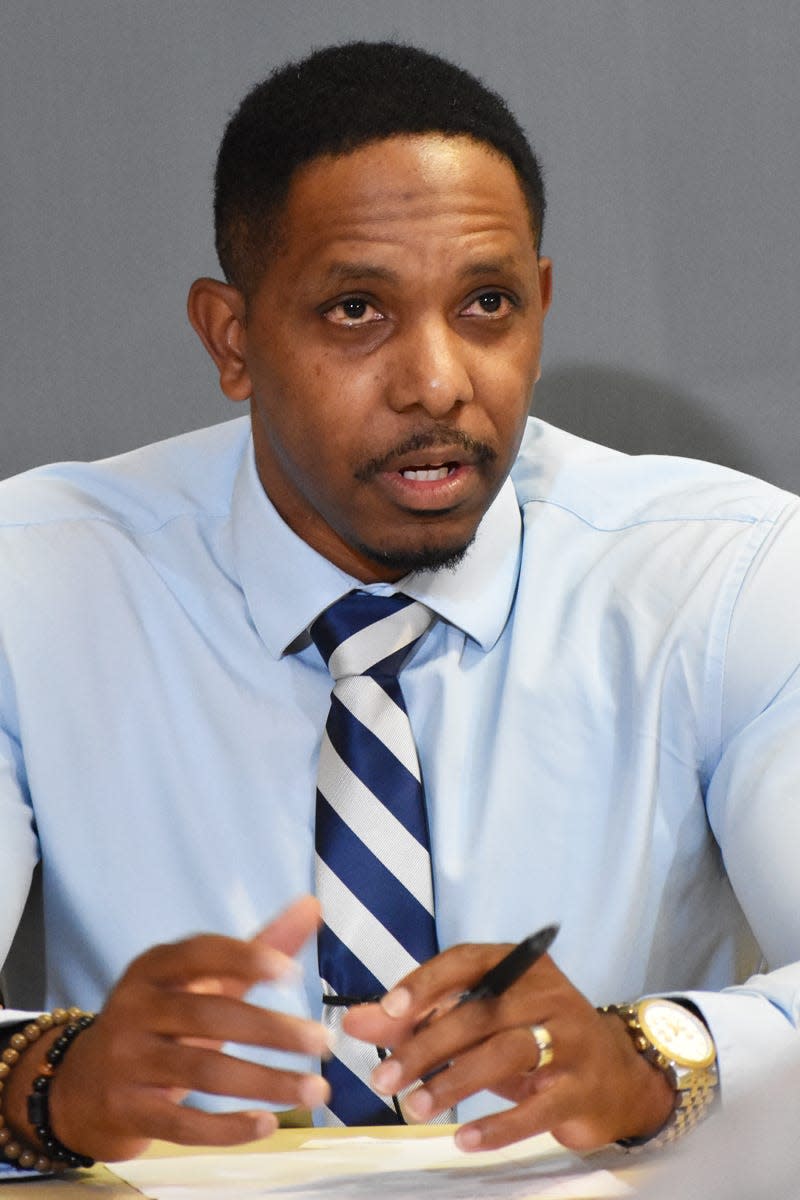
[{"x": 363, "y": 634}]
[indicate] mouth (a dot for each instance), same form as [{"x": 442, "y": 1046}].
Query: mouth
[
  {"x": 432, "y": 474},
  {"x": 429, "y": 472},
  {"x": 429, "y": 457},
  {"x": 436, "y": 487}
]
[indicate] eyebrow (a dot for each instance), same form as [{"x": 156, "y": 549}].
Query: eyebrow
[
  {"x": 492, "y": 266},
  {"x": 342, "y": 272}
]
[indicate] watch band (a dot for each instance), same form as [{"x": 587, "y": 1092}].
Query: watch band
[{"x": 696, "y": 1087}]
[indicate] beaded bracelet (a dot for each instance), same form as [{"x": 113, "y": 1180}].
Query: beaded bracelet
[
  {"x": 38, "y": 1113},
  {"x": 57, "y": 1156}
]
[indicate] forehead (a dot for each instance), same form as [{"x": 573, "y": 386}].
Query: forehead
[{"x": 403, "y": 195}]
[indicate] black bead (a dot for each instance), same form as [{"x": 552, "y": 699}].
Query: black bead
[
  {"x": 37, "y": 1109},
  {"x": 38, "y": 1113}
]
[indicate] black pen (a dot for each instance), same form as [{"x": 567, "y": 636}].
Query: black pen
[{"x": 499, "y": 978}]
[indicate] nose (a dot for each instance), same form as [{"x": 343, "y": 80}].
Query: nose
[{"x": 430, "y": 370}]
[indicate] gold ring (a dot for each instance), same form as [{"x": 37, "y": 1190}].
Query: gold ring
[{"x": 544, "y": 1044}]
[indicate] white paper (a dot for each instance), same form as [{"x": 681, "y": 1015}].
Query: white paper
[
  {"x": 348, "y": 1169},
  {"x": 9, "y": 1174}
]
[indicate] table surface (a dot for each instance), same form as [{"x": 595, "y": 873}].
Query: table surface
[{"x": 100, "y": 1183}]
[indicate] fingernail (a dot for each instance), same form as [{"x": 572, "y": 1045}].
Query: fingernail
[
  {"x": 396, "y": 1003},
  {"x": 280, "y": 966},
  {"x": 418, "y": 1103},
  {"x": 264, "y": 1123},
  {"x": 313, "y": 1091},
  {"x": 386, "y": 1077},
  {"x": 468, "y": 1139},
  {"x": 320, "y": 1040}
]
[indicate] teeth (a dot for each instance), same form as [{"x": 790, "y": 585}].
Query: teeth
[{"x": 426, "y": 473}]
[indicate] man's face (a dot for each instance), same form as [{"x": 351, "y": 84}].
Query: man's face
[{"x": 391, "y": 347}]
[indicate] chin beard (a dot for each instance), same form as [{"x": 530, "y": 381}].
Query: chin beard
[{"x": 425, "y": 558}]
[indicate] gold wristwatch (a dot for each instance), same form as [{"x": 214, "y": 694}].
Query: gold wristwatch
[{"x": 672, "y": 1038}]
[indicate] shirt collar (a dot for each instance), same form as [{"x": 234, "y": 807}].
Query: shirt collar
[{"x": 287, "y": 584}]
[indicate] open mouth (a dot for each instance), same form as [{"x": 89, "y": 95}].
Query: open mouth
[
  {"x": 430, "y": 457},
  {"x": 429, "y": 473}
]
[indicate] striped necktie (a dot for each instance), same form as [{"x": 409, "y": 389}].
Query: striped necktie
[{"x": 373, "y": 868}]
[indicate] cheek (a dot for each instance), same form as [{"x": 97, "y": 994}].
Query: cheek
[
  {"x": 506, "y": 391},
  {"x": 508, "y": 365},
  {"x": 313, "y": 426}
]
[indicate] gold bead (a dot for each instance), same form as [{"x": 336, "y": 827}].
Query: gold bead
[
  {"x": 45, "y": 1021},
  {"x": 75, "y": 1013},
  {"x": 13, "y": 1150},
  {"x": 42, "y": 1164},
  {"x": 27, "y": 1159},
  {"x": 5, "y": 1136},
  {"x": 10, "y": 1056},
  {"x": 32, "y": 1032},
  {"x": 19, "y": 1042},
  {"x": 60, "y": 1015},
  {"x": 5, "y": 1069}
]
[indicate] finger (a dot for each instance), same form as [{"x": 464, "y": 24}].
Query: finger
[
  {"x": 221, "y": 1018},
  {"x": 507, "y": 1054},
  {"x": 540, "y": 1113},
  {"x": 440, "y": 980},
  {"x": 458, "y": 1022},
  {"x": 422, "y": 996},
  {"x": 166, "y": 1064},
  {"x": 291, "y": 928},
  {"x": 447, "y": 1038},
  {"x": 155, "y": 1116},
  {"x": 209, "y": 955},
  {"x": 458, "y": 1073}
]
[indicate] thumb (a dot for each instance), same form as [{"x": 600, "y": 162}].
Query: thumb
[
  {"x": 279, "y": 941},
  {"x": 292, "y": 927}
]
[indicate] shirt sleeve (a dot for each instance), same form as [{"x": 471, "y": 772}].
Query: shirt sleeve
[
  {"x": 19, "y": 848},
  {"x": 753, "y": 803}
]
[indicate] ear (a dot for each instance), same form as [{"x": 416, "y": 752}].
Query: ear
[
  {"x": 217, "y": 313},
  {"x": 545, "y": 282},
  {"x": 545, "y": 269}
]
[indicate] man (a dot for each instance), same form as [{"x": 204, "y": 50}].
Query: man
[{"x": 604, "y": 708}]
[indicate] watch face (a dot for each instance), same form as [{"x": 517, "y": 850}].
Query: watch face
[{"x": 676, "y": 1032}]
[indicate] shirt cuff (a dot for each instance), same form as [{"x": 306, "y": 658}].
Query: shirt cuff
[
  {"x": 750, "y": 1033},
  {"x": 15, "y": 1016}
]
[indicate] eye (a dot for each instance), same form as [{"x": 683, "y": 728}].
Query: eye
[
  {"x": 352, "y": 311},
  {"x": 490, "y": 303}
]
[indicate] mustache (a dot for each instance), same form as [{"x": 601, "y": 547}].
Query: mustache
[{"x": 435, "y": 438}]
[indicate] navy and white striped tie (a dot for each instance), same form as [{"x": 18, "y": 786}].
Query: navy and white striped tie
[{"x": 373, "y": 868}]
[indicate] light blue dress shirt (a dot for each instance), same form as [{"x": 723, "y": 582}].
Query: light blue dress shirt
[{"x": 607, "y": 715}]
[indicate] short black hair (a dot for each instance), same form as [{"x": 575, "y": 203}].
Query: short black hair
[{"x": 332, "y": 102}]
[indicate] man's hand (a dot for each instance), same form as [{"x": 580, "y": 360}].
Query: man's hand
[
  {"x": 159, "y": 1036},
  {"x": 596, "y": 1089}
]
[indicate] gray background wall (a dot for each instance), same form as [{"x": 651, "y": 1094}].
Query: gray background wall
[{"x": 670, "y": 136}]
